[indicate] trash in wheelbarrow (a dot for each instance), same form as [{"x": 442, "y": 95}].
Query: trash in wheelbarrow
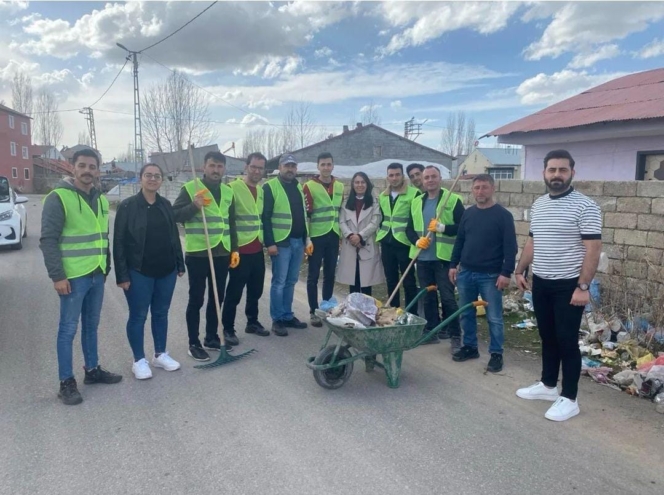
[{"x": 362, "y": 308}]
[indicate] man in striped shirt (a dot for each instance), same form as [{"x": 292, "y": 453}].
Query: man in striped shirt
[{"x": 564, "y": 249}]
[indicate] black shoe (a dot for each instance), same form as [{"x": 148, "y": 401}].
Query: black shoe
[
  {"x": 466, "y": 353},
  {"x": 495, "y": 363},
  {"x": 279, "y": 329},
  {"x": 69, "y": 393},
  {"x": 211, "y": 345},
  {"x": 256, "y": 328},
  {"x": 198, "y": 353},
  {"x": 294, "y": 323},
  {"x": 100, "y": 375},
  {"x": 444, "y": 334},
  {"x": 431, "y": 340},
  {"x": 231, "y": 339},
  {"x": 315, "y": 320}
]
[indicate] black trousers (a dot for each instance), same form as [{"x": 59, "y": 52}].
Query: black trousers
[
  {"x": 395, "y": 261},
  {"x": 250, "y": 273},
  {"x": 436, "y": 273},
  {"x": 198, "y": 269},
  {"x": 357, "y": 287},
  {"x": 326, "y": 253},
  {"x": 558, "y": 322}
]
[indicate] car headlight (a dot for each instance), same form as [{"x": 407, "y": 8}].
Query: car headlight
[{"x": 6, "y": 215}]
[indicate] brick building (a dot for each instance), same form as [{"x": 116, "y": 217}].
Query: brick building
[{"x": 15, "y": 149}]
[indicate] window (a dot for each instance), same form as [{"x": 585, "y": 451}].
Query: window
[
  {"x": 12, "y": 148},
  {"x": 501, "y": 173},
  {"x": 25, "y": 153},
  {"x": 26, "y": 173},
  {"x": 11, "y": 121},
  {"x": 378, "y": 151},
  {"x": 14, "y": 173},
  {"x": 24, "y": 128}
]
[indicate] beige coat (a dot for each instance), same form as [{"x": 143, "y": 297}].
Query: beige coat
[{"x": 371, "y": 268}]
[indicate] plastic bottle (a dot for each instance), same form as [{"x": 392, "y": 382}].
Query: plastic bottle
[{"x": 659, "y": 402}]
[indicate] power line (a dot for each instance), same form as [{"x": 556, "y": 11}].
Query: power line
[
  {"x": 179, "y": 29},
  {"x": 112, "y": 83}
]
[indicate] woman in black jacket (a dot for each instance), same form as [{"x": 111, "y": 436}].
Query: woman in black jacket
[{"x": 148, "y": 259}]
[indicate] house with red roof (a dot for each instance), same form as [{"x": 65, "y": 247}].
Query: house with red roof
[{"x": 614, "y": 131}]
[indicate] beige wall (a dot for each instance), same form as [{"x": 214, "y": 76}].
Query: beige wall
[{"x": 476, "y": 163}]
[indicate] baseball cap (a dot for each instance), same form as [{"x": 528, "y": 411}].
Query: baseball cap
[{"x": 287, "y": 159}]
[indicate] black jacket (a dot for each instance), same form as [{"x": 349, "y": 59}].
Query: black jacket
[{"x": 131, "y": 221}]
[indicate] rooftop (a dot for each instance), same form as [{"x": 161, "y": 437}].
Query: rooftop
[
  {"x": 502, "y": 156},
  {"x": 4, "y": 108}
]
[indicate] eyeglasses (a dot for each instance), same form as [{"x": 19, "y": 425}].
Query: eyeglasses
[{"x": 152, "y": 176}]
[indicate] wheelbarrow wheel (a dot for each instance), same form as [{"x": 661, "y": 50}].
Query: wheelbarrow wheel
[{"x": 334, "y": 377}]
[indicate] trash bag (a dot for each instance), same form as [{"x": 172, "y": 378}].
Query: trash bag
[
  {"x": 362, "y": 308},
  {"x": 345, "y": 322},
  {"x": 329, "y": 304},
  {"x": 625, "y": 378},
  {"x": 656, "y": 373},
  {"x": 659, "y": 403}
]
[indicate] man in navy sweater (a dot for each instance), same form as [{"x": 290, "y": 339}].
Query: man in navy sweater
[{"x": 486, "y": 249}]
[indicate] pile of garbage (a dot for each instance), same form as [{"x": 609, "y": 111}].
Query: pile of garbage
[
  {"x": 522, "y": 305},
  {"x": 363, "y": 311}
]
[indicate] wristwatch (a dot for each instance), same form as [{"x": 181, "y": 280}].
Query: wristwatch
[{"x": 583, "y": 286}]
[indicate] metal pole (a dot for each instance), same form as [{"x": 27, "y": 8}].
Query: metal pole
[{"x": 138, "y": 138}]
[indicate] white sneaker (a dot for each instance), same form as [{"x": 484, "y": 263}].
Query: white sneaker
[
  {"x": 165, "y": 361},
  {"x": 538, "y": 391},
  {"x": 141, "y": 370},
  {"x": 562, "y": 409}
]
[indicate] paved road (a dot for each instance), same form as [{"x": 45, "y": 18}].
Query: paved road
[{"x": 263, "y": 426}]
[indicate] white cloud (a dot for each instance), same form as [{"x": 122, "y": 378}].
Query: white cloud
[
  {"x": 232, "y": 95},
  {"x": 588, "y": 59},
  {"x": 653, "y": 49},
  {"x": 264, "y": 103},
  {"x": 395, "y": 104},
  {"x": 548, "y": 89},
  {"x": 253, "y": 119},
  {"x": 319, "y": 14},
  {"x": 581, "y": 27},
  {"x": 366, "y": 108},
  {"x": 323, "y": 52},
  {"x": 7, "y": 72},
  {"x": 433, "y": 19},
  {"x": 12, "y": 7},
  {"x": 272, "y": 67}
]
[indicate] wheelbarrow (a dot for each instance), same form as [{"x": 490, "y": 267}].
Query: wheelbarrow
[{"x": 333, "y": 364}]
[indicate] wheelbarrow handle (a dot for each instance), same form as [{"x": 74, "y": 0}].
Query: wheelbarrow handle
[
  {"x": 447, "y": 320},
  {"x": 430, "y": 288}
]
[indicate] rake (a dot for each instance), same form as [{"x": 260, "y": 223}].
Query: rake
[{"x": 224, "y": 356}]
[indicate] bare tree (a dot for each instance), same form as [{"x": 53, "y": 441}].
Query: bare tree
[
  {"x": 369, "y": 114},
  {"x": 47, "y": 123},
  {"x": 22, "y": 100},
  {"x": 84, "y": 138},
  {"x": 299, "y": 128},
  {"x": 174, "y": 114},
  {"x": 458, "y": 137}
]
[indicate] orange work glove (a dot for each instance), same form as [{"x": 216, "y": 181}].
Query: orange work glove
[
  {"x": 309, "y": 249},
  {"x": 235, "y": 259},
  {"x": 423, "y": 243},
  {"x": 436, "y": 226},
  {"x": 206, "y": 201}
]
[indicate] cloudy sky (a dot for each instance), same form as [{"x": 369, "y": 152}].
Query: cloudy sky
[{"x": 497, "y": 61}]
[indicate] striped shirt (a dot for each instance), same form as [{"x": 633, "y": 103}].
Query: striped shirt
[{"x": 558, "y": 226}]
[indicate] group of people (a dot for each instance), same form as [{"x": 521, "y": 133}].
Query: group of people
[{"x": 371, "y": 237}]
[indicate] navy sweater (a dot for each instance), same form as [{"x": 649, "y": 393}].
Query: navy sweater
[{"x": 486, "y": 241}]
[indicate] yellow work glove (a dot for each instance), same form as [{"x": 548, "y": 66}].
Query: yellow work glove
[
  {"x": 235, "y": 259},
  {"x": 309, "y": 249},
  {"x": 206, "y": 201},
  {"x": 436, "y": 226},
  {"x": 423, "y": 243}
]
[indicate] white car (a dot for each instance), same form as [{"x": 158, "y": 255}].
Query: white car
[{"x": 13, "y": 217}]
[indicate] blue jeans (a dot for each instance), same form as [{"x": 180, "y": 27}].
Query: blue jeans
[
  {"x": 154, "y": 294},
  {"x": 285, "y": 273},
  {"x": 82, "y": 303},
  {"x": 470, "y": 285}
]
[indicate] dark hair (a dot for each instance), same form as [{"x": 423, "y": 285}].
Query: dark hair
[
  {"x": 395, "y": 165},
  {"x": 412, "y": 166},
  {"x": 433, "y": 167},
  {"x": 140, "y": 174},
  {"x": 484, "y": 178},
  {"x": 85, "y": 152},
  {"x": 562, "y": 154},
  {"x": 256, "y": 155},
  {"x": 368, "y": 195},
  {"x": 323, "y": 156},
  {"x": 216, "y": 156}
]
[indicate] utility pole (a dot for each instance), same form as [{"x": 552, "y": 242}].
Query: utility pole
[
  {"x": 138, "y": 137},
  {"x": 412, "y": 130},
  {"x": 90, "y": 117}
]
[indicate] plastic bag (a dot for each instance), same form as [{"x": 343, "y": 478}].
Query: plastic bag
[
  {"x": 656, "y": 373},
  {"x": 362, "y": 308},
  {"x": 345, "y": 322},
  {"x": 659, "y": 403},
  {"x": 329, "y": 304},
  {"x": 625, "y": 378}
]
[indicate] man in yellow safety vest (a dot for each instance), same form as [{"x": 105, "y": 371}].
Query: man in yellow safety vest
[
  {"x": 248, "y": 200},
  {"x": 323, "y": 195},
  {"x": 74, "y": 242},
  {"x": 217, "y": 200}
]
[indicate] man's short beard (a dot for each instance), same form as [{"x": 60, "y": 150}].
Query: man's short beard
[{"x": 565, "y": 184}]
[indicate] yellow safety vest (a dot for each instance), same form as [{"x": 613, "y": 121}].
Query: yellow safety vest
[
  {"x": 444, "y": 243},
  {"x": 247, "y": 212},
  {"x": 84, "y": 240},
  {"x": 397, "y": 219},
  {"x": 282, "y": 219},
  {"x": 216, "y": 216},
  {"x": 325, "y": 214}
]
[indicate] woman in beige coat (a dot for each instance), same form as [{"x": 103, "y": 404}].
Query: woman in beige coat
[{"x": 359, "y": 260}]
